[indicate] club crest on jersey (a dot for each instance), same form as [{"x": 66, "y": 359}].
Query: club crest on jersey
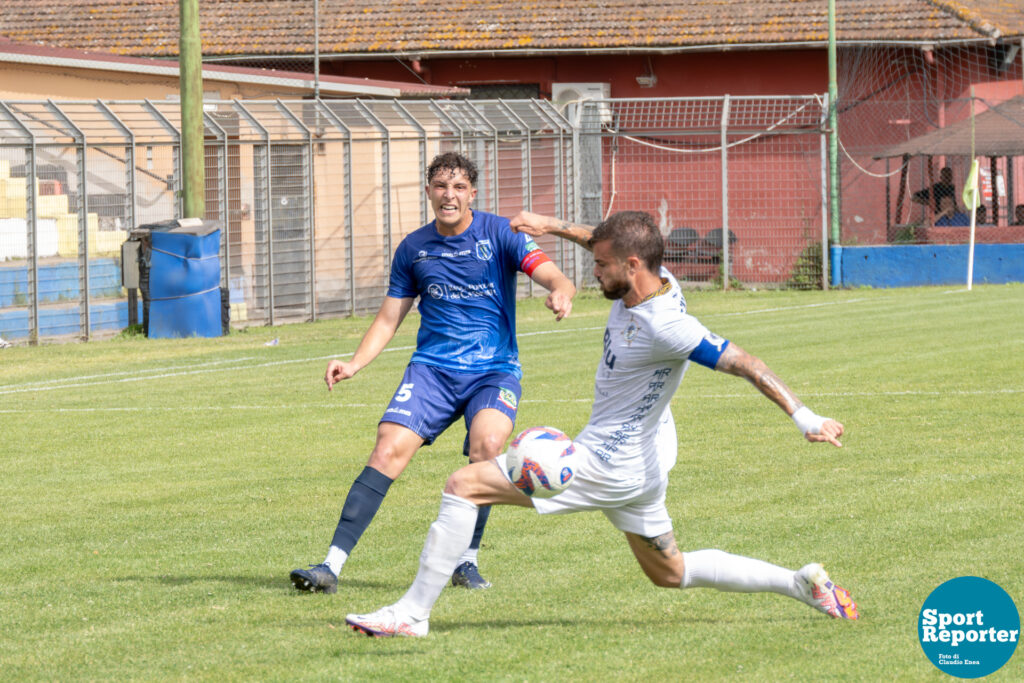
[
  {"x": 483, "y": 250},
  {"x": 508, "y": 398},
  {"x": 630, "y": 332}
]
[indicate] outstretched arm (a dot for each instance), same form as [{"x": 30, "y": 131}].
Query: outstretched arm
[
  {"x": 536, "y": 225},
  {"x": 561, "y": 289},
  {"x": 736, "y": 361},
  {"x": 391, "y": 314}
]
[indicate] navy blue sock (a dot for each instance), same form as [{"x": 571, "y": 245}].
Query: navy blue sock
[
  {"x": 481, "y": 521},
  {"x": 361, "y": 504}
]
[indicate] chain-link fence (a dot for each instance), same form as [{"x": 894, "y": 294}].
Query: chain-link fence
[
  {"x": 737, "y": 184},
  {"x": 314, "y": 195}
]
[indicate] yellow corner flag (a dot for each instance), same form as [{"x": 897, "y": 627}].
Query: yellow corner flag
[{"x": 972, "y": 199}]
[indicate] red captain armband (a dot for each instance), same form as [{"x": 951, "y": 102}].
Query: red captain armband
[{"x": 532, "y": 260}]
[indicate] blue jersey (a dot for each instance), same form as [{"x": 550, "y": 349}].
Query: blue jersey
[{"x": 467, "y": 290}]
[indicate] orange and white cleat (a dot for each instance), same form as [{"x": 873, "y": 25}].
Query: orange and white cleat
[{"x": 819, "y": 592}]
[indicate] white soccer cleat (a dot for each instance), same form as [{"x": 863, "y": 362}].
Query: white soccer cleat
[
  {"x": 386, "y": 623},
  {"x": 819, "y": 592}
]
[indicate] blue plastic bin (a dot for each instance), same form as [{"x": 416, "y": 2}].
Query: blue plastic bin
[{"x": 184, "y": 293}]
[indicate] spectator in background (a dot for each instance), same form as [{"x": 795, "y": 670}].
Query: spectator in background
[
  {"x": 1018, "y": 214},
  {"x": 935, "y": 193},
  {"x": 950, "y": 215},
  {"x": 980, "y": 215}
]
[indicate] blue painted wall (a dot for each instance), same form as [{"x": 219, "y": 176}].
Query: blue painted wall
[
  {"x": 914, "y": 265},
  {"x": 58, "y": 282},
  {"x": 64, "y": 320}
]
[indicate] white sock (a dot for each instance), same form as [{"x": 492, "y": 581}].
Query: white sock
[
  {"x": 470, "y": 556},
  {"x": 727, "y": 572},
  {"x": 336, "y": 559},
  {"x": 449, "y": 535}
]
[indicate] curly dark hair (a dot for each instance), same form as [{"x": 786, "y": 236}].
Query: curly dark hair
[{"x": 452, "y": 162}]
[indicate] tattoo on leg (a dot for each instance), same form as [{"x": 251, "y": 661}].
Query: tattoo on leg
[{"x": 665, "y": 544}]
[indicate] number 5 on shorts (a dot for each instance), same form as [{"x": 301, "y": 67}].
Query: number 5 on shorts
[{"x": 404, "y": 393}]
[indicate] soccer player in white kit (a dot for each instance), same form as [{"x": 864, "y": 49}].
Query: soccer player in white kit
[{"x": 629, "y": 444}]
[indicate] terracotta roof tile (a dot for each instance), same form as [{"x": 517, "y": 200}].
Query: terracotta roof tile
[{"x": 284, "y": 27}]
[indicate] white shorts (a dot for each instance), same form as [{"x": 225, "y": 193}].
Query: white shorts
[{"x": 636, "y": 507}]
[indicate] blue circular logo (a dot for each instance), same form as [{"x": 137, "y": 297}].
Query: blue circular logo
[{"x": 968, "y": 627}]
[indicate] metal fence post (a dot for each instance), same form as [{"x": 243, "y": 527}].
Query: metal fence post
[
  {"x": 31, "y": 227},
  {"x": 559, "y": 123},
  {"x": 385, "y": 174},
  {"x": 85, "y": 322},
  {"x": 422, "y": 148},
  {"x": 350, "y": 244},
  {"x": 310, "y": 204},
  {"x": 526, "y": 169},
  {"x": 175, "y": 153},
  {"x": 588, "y": 163},
  {"x": 129, "y": 179},
  {"x": 267, "y": 203},
  {"x": 725, "y": 191},
  {"x": 823, "y": 136},
  {"x": 222, "y": 199},
  {"x": 495, "y": 191},
  {"x": 451, "y": 122},
  {"x": 32, "y": 242}
]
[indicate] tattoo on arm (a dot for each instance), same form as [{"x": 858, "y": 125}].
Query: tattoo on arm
[
  {"x": 664, "y": 544},
  {"x": 736, "y": 361},
  {"x": 573, "y": 232}
]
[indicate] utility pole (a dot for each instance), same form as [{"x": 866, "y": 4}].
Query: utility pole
[
  {"x": 316, "y": 49},
  {"x": 833, "y": 125},
  {"x": 190, "y": 61},
  {"x": 835, "y": 250}
]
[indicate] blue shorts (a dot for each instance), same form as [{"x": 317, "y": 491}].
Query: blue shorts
[{"x": 430, "y": 398}]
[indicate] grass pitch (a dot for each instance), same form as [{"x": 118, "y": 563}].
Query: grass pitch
[{"x": 155, "y": 495}]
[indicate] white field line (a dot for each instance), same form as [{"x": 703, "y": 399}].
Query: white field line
[
  {"x": 205, "y": 368},
  {"x": 785, "y": 308},
  {"x": 44, "y": 382},
  {"x": 71, "y": 382},
  {"x": 377, "y": 406}
]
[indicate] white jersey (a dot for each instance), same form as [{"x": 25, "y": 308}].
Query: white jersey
[{"x": 646, "y": 351}]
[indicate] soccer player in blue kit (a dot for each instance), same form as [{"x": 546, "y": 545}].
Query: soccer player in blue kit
[
  {"x": 628, "y": 445},
  {"x": 462, "y": 266}
]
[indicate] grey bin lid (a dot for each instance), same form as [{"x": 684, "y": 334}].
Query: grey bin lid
[{"x": 186, "y": 226}]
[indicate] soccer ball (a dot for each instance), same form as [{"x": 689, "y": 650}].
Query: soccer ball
[{"x": 541, "y": 461}]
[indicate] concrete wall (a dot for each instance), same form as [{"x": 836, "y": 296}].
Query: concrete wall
[{"x": 915, "y": 265}]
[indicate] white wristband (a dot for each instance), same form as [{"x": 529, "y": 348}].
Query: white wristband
[{"x": 807, "y": 421}]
